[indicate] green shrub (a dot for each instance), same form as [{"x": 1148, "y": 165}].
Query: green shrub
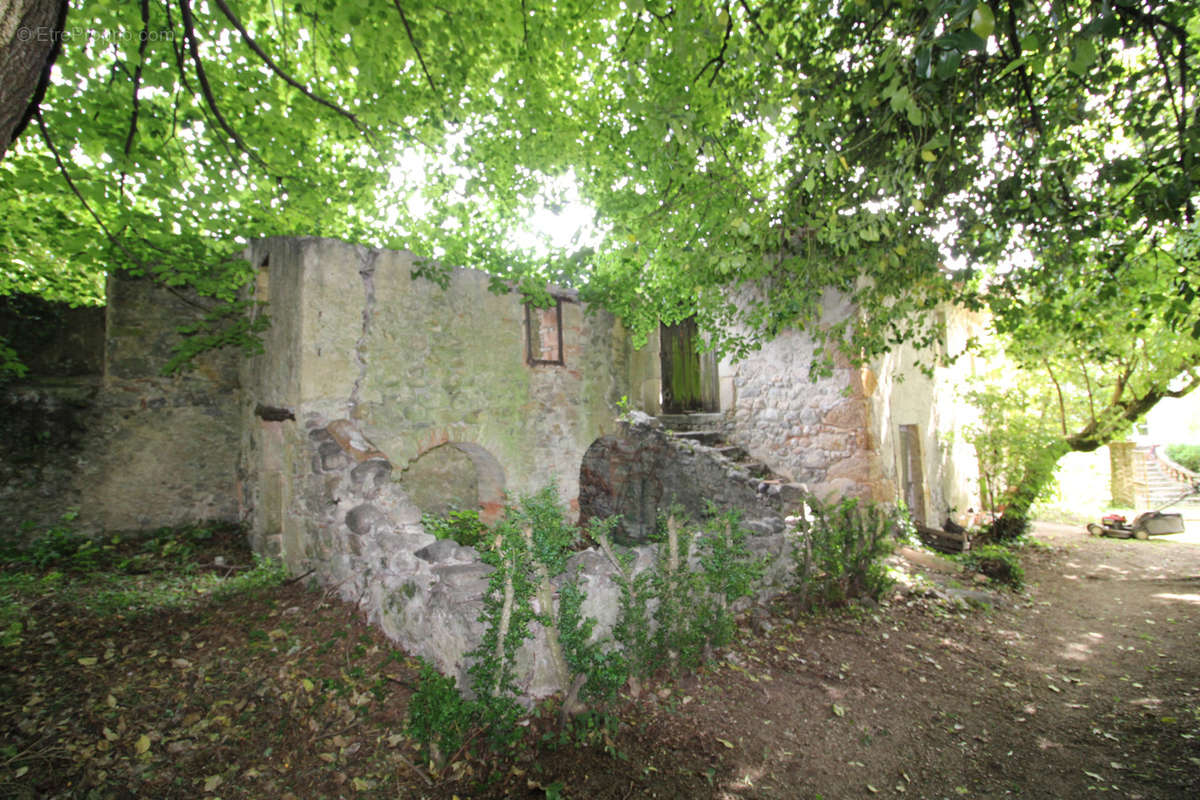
[
  {"x": 1185, "y": 455},
  {"x": 997, "y": 562},
  {"x": 439, "y": 718},
  {"x": 463, "y": 526},
  {"x": 840, "y": 551}
]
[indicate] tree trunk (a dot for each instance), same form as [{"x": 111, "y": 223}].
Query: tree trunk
[
  {"x": 31, "y": 33},
  {"x": 1039, "y": 474}
]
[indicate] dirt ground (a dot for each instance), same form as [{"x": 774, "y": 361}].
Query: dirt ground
[{"x": 1086, "y": 683}]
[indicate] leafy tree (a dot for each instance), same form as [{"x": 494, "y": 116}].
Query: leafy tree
[
  {"x": 744, "y": 157},
  {"x": 1073, "y": 379}
]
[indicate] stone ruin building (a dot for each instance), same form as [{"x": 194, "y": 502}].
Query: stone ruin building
[{"x": 379, "y": 397}]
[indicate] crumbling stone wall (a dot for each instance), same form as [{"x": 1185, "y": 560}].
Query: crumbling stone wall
[
  {"x": 415, "y": 366},
  {"x": 815, "y": 433},
  {"x": 95, "y": 427},
  {"x": 641, "y": 471},
  {"x": 367, "y": 543}
]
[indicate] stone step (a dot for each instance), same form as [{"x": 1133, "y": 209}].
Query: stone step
[
  {"x": 733, "y": 452},
  {"x": 692, "y": 422},
  {"x": 707, "y": 438},
  {"x": 755, "y": 468}
]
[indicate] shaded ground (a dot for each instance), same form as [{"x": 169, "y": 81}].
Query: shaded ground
[{"x": 1088, "y": 683}]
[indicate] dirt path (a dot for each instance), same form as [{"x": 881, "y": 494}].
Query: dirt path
[{"x": 1089, "y": 682}]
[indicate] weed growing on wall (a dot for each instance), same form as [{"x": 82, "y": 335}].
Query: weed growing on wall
[
  {"x": 674, "y": 614},
  {"x": 729, "y": 572},
  {"x": 840, "y": 548},
  {"x": 528, "y": 549},
  {"x": 671, "y": 616},
  {"x": 633, "y": 626}
]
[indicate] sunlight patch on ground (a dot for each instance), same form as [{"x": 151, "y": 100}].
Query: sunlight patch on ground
[
  {"x": 1077, "y": 651},
  {"x": 1186, "y": 598}
]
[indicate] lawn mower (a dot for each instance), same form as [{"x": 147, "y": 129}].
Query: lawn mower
[{"x": 1144, "y": 525}]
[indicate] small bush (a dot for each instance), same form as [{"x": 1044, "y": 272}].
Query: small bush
[
  {"x": 840, "y": 550},
  {"x": 1185, "y": 455},
  {"x": 464, "y": 527},
  {"x": 439, "y": 718},
  {"x": 998, "y": 563}
]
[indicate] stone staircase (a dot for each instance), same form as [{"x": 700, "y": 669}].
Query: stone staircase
[
  {"x": 1164, "y": 485},
  {"x": 707, "y": 431}
]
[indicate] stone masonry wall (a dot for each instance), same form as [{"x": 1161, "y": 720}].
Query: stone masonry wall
[
  {"x": 815, "y": 433},
  {"x": 641, "y": 471},
  {"x": 126, "y": 447},
  {"x": 367, "y": 543},
  {"x": 415, "y": 366}
]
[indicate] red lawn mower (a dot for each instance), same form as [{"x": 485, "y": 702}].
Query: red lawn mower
[{"x": 1144, "y": 525}]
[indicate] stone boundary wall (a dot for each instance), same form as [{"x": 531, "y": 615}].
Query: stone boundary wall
[
  {"x": 368, "y": 545},
  {"x": 98, "y": 430}
]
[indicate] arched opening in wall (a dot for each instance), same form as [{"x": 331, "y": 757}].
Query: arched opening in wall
[{"x": 456, "y": 475}]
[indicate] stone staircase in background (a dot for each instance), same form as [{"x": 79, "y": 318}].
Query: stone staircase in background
[{"x": 1163, "y": 485}]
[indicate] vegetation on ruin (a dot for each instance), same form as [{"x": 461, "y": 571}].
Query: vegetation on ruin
[{"x": 1037, "y": 159}]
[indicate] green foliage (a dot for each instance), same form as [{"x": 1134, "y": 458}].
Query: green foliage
[
  {"x": 526, "y": 548},
  {"x": 997, "y": 562},
  {"x": 776, "y": 145},
  {"x": 106, "y": 575},
  {"x": 605, "y": 667},
  {"x": 462, "y": 526},
  {"x": 1185, "y": 455},
  {"x": 840, "y": 548},
  {"x": 692, "y": 600},
  {"x": 1018, "y": 422},
  {"x": 230, "y": 324},
  {"x": 673, "y": 615},
  {"x": 62, "y": 547},
  {"x": 633, "y": 626},
  {"x": 10, "y": 363},
  {"x": 439, "y": 718}
]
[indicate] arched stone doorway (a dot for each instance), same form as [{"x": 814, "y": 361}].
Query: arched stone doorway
[{"x": 456, "y": 475}]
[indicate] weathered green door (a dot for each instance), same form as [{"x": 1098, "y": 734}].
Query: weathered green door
[{"x": 689, "y": 378}]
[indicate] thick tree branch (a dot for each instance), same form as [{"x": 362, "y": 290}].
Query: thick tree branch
[
  {"x": 1062, "y": 406},
  {"x": 27, "y": 60}
]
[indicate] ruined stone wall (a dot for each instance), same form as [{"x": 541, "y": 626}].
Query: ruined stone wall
[
  {"x": 367, "y": 543},
  {"x": 97, "y": 429},
  {"x": 815, "y": 433},
  {"x": 416, "y": 367},
  {"x": 840, "y": 435}
]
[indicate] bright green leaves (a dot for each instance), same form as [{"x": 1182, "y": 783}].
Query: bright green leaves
[
  {"x": 1083, "y": 55},
  {"x": 983, "y": 22}
]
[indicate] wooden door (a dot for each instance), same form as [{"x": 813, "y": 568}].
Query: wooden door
[
  {"x": 912, "y": 477},
  {"x": 689, "y": 377}
]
